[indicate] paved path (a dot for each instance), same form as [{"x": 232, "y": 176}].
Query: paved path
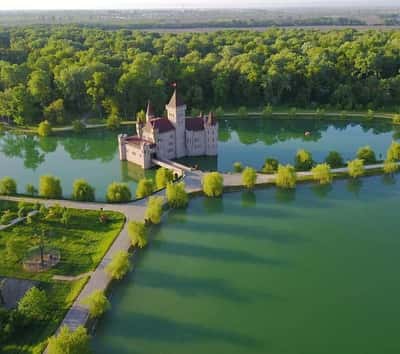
[
  {"x": 18, "y": 220},
  {"x": 71, "y": 278}
]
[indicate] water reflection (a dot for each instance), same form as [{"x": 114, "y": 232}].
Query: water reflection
[
  {"x": 321, "y": 190},
  {"x": 249, "y": 199},
  {"x": 285, "y": 195},
  {"x": 354, "y": 186}
]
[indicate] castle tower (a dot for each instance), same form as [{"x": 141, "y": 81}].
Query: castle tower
[
  {"x": 211, "y": 134},
  {"x": 176, "y": 110},
  {"x": 150, "y": 111}
]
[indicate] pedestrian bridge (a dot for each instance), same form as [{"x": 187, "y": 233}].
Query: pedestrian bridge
[{"x": 172, "y": 165}]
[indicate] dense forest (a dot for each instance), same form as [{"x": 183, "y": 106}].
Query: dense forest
[{"x": 64, "y": 72}]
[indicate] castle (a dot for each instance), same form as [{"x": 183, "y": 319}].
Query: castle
[{"x": 170, "y": 137}]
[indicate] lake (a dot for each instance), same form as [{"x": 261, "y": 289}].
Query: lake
[
  {"x": 94, "y": 154},
  {"x": 308, "y": 271}
]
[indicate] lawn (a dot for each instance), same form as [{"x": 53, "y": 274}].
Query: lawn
[{"x": 82, "y": 244}]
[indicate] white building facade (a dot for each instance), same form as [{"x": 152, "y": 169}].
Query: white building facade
[{"x": 170, "y": 137}]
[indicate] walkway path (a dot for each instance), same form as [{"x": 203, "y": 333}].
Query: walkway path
[{"x": 18, "y": 220}]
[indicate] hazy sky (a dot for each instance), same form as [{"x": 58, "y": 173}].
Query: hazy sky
[{"x": 143, "y": 4}]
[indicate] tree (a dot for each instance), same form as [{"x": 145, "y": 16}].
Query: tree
[
  {"x": 322, "y": 173},
  {"x": 366, "y": 154},
  {"x": 213, "y": 184},
  {"x": 270, "y": 165},
  {"x": 55, "y": 112},
  {"x": 65, "y": 218},
  {"x": 144, "y": 188},
  {"x": 34, "y": 304},
  {"x": 118, "y": 192},
  {"x": 356, "y": 168},
  {"x": 393, "y": 153},
  {"x": 390, "y": 167},
  {"x": 77, "y": 126},
  {"x": 50, "y": 187},
  {"x": 138, "y": 234},
  {"x": 44, "y": 128},
  {"x": 286, "y": 177},
  {"x": 119, "y": 265},
  {"x": 8, "y": 186},
  {"x": 154, "y": 210},
  {"x": 69, "y": 342},
  {"x": 82, "y": 191},
  {"x": 267, "y": 111},
  {"x": 249, "y": 177},
  {"x": 39, "y": 86},
  {"x": 141, "y": 117},
  {"x": 242, "y": 112},
  {"x": 113, "y": 122},
  {"x": 97, "y": 303},
  {"x": 237, "y": 167},
  {"x": 177, "y": 196},
  {"x": 163, "y": 177},
  {"x": 303, "y": 160},
  {"x": 334, "y": 159},
  {"x": 31, "y": 190}
]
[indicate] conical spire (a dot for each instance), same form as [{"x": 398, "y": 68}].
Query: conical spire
[{"x": 150, "y": 111}]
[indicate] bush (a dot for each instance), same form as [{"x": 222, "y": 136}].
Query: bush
[
  {"x": 154, "y": 210},
  {"x": 393, "y": 153},
  {"x": 138, "y": 234},
  {"x": 213, "y": 184},
  {"x": 44, "y": 128},
  {"x": 242, "y": 112},
  {"x": 219, "y": 112},
  {"x": 270, "y": 165},
  {"x": 370, "y": 114},
  {"x": 145, "y": 188},
  {"x": 322, "y": 173},
  {"x": 390, "y": 167},
  {"x": 176, "y": 195},
  {"x": 293, "y": 112},
  {"x": 366, "y": 154},
  {"x": 97, "y": 303},
  {"x": 303, "y": 160},
  {"x": 237, "y": 167},
  {"x": 34, "y": 304},
  {"x": 267, "y": 111},
  {"x": 356, "y": 168},
  {"x": 249, "y": 177},
  {"x": 396, "y": 119},
  {"x": 119, "y": 265},
  {"x": 31, "y": 190},
  {"x": 7, "y": 217},
  {"x": 78, "y": 127},
  {"x": 113, "y": 122},
  {"x": 334, "y": 159},
  {"x": 50, "y": 187},
  {"x": 286, "y": 177},
  {"x": 82, "y": 191},
  {"x": 141, "y": 117},
  {"x": 163, "y": 177},
  {"x": 69, "y": 342},
  {"x": 320, "y": 113},
  {"x": 8, "y": 186},
  {"x": 118, "y": 192}
]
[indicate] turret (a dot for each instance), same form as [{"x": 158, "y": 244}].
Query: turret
[{"x": 150, "y": 111}]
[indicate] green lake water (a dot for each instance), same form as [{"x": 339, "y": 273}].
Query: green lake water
[
  {"x": 94, "y": 154},
  {"x": 310, "y": 271}
]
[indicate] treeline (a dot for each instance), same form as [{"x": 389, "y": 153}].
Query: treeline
[{"x": 60, "y": 73}]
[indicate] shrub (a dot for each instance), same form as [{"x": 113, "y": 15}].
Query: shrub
[
  {"x": 393, "y": 153},
  {"x": 34, "y": 304},
  {"x": 44, "y": 128},
  {"x": 303, "y": 160},
  {"x": 219, "y": 112},
  {"x": 141, "y": 117},
  {"x": 396, "y": 119},
  {"x": 8, "y": 186},
  {"x": 343, "y": 115},
  {"x": 267, "y": 111},
  {"x": 118, "y": 192},
  {"x": 78, "y": 126},
  {"x": 138, "y": 234},
  {"x": 30, "y": 189},
  {"x": 366, "y": 154},
  {"x": 356, "y": 168},
  {"x": 249, "y": 177},
  {"x": 163, "y": 176},
  {"x": 286, "y": 177},
  {"x": 69, "y": 342},
  {"x": 82, "y": 191},
  {"x": 144, "y": 188},
  {"x": 320, "y": 113},
  {"x": 270, "y": 165},
  {"x": 322, "y": 173},
  {"x": 65, "y": 218},
  {"x": 119, "y": 265},
  {"x": 370, "y": 114},
  {"x": 154, "y": 210},
  {"x": 237, "y": 167},
  {"x": 242, "y": 112},
  {"x": 213, "y": 184},
  {"x": 334, "y": 159},
  {"x": 293, "y": 112},
  {"x": 97, "y": 303},
  {"x": 113, "y": 122},
  {"x": 390, "y": 167},
  {"x": 176, "y": 195},
  {"x": 7, "y": 217},
  {"x": 50, "y": 187}
]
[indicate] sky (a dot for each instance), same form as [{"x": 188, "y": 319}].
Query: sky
[{"x": 149, "y": 4}]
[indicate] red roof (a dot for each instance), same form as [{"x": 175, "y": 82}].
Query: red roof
[
  {"x": 162, "y": 124},
  {"x": 136, "y": 140},
  {"x": 195, "y": 124}
]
